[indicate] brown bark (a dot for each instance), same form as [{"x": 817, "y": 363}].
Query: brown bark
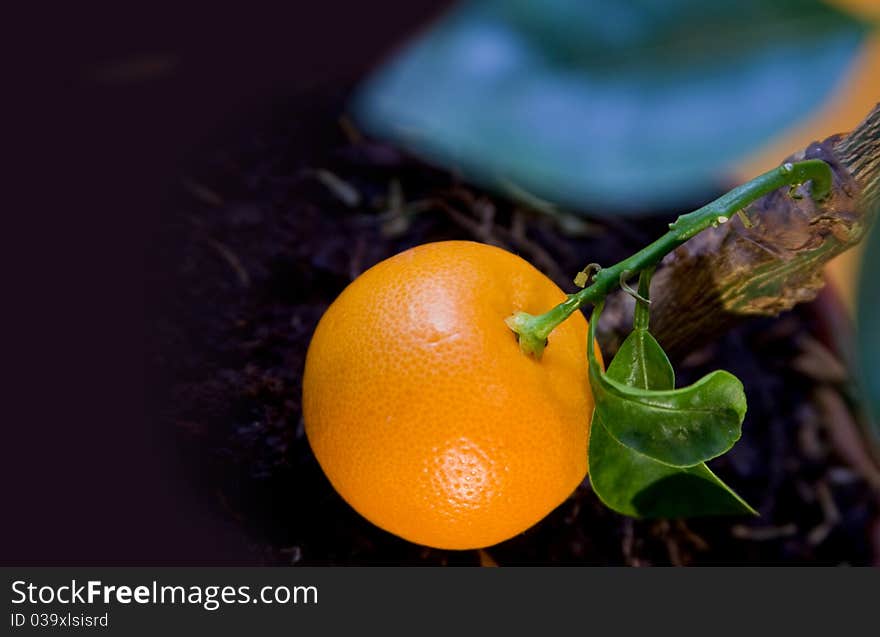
[{"x": 731, "y": 272}]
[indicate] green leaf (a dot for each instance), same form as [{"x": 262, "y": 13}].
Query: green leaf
[
  {"x": 634, "y": 484},
  {"x": 641, "y": 362},
  {"x": 679, "y": 427},
  {"x": 607, "y": 104}
]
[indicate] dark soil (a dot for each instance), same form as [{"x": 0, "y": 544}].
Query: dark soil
[{"x": 258, "y": 241}]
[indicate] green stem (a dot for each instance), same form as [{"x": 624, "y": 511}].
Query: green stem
[
  {"x": 642, "y": 313},
  {"x": 533, "y": 331}
]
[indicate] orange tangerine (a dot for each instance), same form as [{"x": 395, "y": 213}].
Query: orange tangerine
[{"x": 422, "y": 410}]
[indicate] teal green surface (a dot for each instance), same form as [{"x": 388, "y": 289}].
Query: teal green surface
[
  {"x": 604, "y": 105},
  {"x": 869, "y": 326}
]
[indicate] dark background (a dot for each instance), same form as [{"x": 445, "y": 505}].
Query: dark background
[{"x": 102, "y": 105}]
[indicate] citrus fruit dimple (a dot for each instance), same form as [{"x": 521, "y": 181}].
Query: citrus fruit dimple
[{"x": 424, "y": 414}]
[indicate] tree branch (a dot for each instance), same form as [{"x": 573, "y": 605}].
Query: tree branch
[{"x": 733, "y": 271}]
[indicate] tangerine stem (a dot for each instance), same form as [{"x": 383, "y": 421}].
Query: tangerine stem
[
  {"x": 642, "y": 314},
  {"x": 533, "y": 331}
]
